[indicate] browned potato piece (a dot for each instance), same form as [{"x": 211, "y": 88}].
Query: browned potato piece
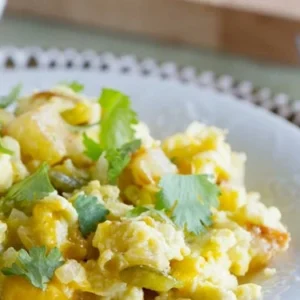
[
  {"x": 41, "y": 133},
  {"x": 267, "y": 242},
  {"x": 61, "y": 99}
]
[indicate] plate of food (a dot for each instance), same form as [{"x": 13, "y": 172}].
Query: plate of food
[{"x": 122, "y": 184}]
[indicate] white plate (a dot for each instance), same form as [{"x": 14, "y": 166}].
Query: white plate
[{"x": 271, "y": 143}]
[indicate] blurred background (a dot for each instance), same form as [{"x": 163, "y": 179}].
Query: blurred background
[{"x": 257, "y": 40}]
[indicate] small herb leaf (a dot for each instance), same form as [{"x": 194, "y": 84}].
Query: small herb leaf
[
  {"x": 117, "y": 119},
  {"x": 92, "y": 149},
  {"x": 90, "y": 213},
  {"x": 11, "y": 97},
  {"x": 76, "y": 86},
  {"x": 25, "y": 193},
  {"x": 35, "y": 265},
  {"x": 189, "y": 199},
  {"x": 118, "y": 159}
]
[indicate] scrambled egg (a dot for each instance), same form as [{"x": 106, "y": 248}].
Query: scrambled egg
[
  {"x": 13, "y": 168},
  {"x": 243, "y": 237}
]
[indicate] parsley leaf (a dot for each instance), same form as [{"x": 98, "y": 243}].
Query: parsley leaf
[
  {"x": 118, "y": 159},
  {"x": 5, "y": 150},
  {"x": 189, "y": 199},
  {"x": 117, "y": 119},
  {"x": 25, "y": 193},
  {"x": 92, "y": 149},
  {"x": 11, "y": 97},
  {"x": 35, "y": 266},
  {"x": 90, "y": 213},
  {"x": 76, "y": 86}
]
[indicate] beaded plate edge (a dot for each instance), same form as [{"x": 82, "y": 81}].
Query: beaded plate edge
[{"x": 53, "y": 58}]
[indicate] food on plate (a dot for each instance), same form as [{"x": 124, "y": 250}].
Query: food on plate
[{"x": 93, "y": 207}]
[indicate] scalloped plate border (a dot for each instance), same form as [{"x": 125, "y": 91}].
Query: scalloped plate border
[{"x": 71, "y": 59}]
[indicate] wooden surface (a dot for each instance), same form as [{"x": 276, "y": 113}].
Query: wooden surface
[
  {"x": 279, "y": 8},
  {"x": 233, "y": 26}
]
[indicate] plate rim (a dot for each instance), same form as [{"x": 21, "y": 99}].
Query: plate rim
[{"x": 134, "y": 67}]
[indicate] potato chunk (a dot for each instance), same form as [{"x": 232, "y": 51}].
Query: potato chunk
[{"x": 41, "y": 134}]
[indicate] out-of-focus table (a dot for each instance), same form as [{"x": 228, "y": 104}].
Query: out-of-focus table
[{"x": 27, "y": 32}]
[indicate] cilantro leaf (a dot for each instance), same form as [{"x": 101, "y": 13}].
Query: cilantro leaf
[
  {"x": 5, "y": 150},
  {"x": 90, "y": 213},
  {"x": 189, "y": 198},
  {"x": 116, "y": 134},
  {"x": 76, "y": 86},
  {"x": 118, "y": 159},
  {"x": 92, "y": 149},
  {"x": 117, "y": 119},
  {"x": 25, "y": 193},
  {"x": 36, "y": 266},
  {"x": 11, "y": 97}
]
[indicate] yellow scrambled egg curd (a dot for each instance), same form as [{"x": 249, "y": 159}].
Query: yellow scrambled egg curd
[
  {"x": 86, "y": 227},
  {"x": 53, "y": 224},
  {"x": 11, "y": 166},
  {"x": 200, "y": 150}
]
